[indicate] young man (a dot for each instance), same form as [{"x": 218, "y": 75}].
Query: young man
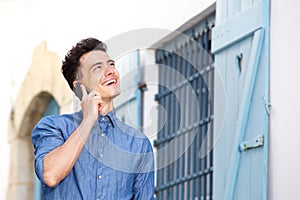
[{"x": 91, "y": 154}]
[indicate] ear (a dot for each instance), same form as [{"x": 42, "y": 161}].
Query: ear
[{"x": 74, "y": 83}]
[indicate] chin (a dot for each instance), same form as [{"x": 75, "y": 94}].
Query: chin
[
  {"x": 117, "y": 93},
  {"x": 113, "y": 94}
]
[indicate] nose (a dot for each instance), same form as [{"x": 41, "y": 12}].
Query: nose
[{"x": 109, "y": 70}]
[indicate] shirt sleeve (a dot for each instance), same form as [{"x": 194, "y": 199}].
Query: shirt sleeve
[
  {"x": 144, "y": 180},
  {"x": 45, "y": 137}
]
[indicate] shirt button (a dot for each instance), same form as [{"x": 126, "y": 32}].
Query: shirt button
[
  {"x": 101, "y": 155},
  {"x": 102, "y": 134},
  {"x": 108, "y": 124},
  {"x": 103, "y": 118},
  {"x": 100, "y": 177}
]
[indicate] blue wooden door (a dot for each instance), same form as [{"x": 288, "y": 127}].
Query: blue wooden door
[{"x": 240, "y": 43}]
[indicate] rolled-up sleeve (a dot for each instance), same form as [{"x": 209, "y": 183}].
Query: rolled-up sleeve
[{"x": 46, "y": 136}]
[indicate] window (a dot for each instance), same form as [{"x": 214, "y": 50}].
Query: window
[{"x": 185, "y": 140}]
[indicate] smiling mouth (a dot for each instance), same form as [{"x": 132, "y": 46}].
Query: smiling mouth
[{"x": 109, "y": 82}]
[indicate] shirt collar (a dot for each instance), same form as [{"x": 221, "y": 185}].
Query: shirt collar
[{"x": 111, "y": 117}]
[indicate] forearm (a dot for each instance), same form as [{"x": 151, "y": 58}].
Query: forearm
[{"x": 59, "y": 162}]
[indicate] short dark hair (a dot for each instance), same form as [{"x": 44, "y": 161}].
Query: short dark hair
[{"x": 72, "y": 59}]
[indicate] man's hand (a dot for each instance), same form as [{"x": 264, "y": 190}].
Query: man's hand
[{"x": 91, "y": 104}]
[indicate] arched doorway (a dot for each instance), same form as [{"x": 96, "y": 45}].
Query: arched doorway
[
  {"x": 22, "y": 173},
  {"x": 42, "y": 87}
]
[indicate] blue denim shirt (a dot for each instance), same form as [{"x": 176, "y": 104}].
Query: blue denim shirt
[{"x": 116, "y": 162}]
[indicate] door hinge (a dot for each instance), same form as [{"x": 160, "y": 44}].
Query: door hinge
[{"x": 253, "y": 143}]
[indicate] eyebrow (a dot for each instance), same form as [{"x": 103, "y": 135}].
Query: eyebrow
[{"x": 99, "y": 63}]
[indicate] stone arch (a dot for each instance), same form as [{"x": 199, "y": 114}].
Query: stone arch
[
  {"x": 43, "y": 82},
  {"x": 34, "y": 113}
]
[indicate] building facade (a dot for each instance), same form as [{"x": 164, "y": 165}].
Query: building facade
[{"x": 218, "y": 99}]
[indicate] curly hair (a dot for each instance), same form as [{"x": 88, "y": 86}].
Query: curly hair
[{"x": 71, "y": 63}]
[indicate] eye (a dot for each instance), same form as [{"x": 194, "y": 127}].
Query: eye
[
  {"x": 112, "y": 64},
  {"x": 97, "y": 67}
]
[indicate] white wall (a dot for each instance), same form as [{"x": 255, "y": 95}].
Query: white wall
[
  {"x": 150, "y": 77},
  {"x": 284, "y": 165}
]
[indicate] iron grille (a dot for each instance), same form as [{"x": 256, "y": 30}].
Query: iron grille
[{"x": 185, "y": 137}]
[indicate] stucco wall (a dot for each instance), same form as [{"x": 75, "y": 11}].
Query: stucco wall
[{"x": 284, "y": 159}]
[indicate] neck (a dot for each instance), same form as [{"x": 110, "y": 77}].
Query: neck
[{"x": 106, "y": 108}]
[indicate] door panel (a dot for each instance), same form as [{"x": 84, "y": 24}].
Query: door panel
[{"x": 241, "y": 45}]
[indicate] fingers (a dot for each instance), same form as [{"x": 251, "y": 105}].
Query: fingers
[
  {"x": 83, "y": 90},
  {"x": 91, "y": 105},
  {"x": 98, "y": 100},
  {"x": 86, "y": 93},
  {"x": 91, "y": 96}
]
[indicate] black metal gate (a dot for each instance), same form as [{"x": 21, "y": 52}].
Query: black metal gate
[{"x": 185, "y": 139}]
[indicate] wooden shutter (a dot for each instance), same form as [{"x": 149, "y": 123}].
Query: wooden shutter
[{"x": 240, "y": 43}]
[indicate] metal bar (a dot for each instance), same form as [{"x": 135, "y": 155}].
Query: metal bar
[
  {"x": 205, "y": 103},
  {"x": 172, "y": 123},
  {"x": 167, "y": 125},
  {"x": 195, "y": 119},
  {"x": 211, "y": 128},
  {"x": 193, "y": 176},
  {"x": 158, "y": 60},
  {"x": 183, "y": 121},
  {"x": 181, "y": 142},
  {"x": 169, "y": 115},
  {"x": 171, "y": 130},
  {"x": 200, "y": 112},
  {"x": 188, "y": 96},
  {"x": 163, "y": 103},
  {"x": 177, "y": 127}
]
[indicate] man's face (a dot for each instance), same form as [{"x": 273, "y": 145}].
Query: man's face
[{"x": 99, "y": 73}]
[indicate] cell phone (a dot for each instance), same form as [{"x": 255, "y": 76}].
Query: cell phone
[{"x": 78, "y": 91}]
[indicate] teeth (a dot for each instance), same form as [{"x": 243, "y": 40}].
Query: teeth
[{"x": 111, "y": 81}]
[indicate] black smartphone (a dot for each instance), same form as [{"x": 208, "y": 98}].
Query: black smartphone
[{"x": 78, "y": 91}]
